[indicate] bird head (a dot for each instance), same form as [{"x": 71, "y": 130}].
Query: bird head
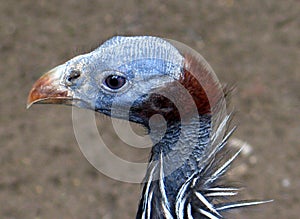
[{"x": 131, "y": 78}]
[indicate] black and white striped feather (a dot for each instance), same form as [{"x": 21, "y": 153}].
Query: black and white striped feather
[{"x": 202, "y": 195}]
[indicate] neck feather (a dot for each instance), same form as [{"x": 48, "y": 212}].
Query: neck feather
[{"x": 174, "y": 158}]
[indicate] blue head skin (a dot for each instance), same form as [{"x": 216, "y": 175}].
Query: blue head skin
[{"x": 116, "y": 79}]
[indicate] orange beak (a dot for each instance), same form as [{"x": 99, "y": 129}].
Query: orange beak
[{"x": 47, "y": 89}]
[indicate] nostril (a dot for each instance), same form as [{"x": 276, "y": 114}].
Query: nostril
[{"x": 74, "y": 74}]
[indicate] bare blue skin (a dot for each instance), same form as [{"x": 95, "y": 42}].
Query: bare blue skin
[{"x": 144, "y": 72}]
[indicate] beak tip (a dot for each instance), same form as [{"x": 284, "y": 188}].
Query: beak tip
[
  {"x": 29, "y": 100},
  {"x": 28, "y": 105},
  {"x": 32, "y": 97}
]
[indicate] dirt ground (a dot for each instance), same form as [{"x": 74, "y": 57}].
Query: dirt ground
[{"x": 252, "y": 44}]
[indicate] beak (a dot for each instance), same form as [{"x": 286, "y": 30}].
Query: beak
[{"x": 48, "y": 89}]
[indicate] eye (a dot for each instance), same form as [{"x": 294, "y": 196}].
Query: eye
[
  {"x": 115, "y": 82},
  {"x": 74, "y": 74}
]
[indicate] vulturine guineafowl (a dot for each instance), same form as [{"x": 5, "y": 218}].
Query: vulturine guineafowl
[{"x": 143, "y": 76}]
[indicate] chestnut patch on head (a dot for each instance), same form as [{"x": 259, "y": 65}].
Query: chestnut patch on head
[
  {"x": 196, "y": 92},
  {"x": 202, "y": 85}
]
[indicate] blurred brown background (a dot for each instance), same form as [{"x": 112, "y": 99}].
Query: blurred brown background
[{"x": 253, "y": 44}]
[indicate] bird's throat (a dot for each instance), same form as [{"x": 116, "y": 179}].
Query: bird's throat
[{"x": 174, "y": 159}]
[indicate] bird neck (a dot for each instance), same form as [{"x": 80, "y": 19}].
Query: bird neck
[{"x": 174, "y": 158}]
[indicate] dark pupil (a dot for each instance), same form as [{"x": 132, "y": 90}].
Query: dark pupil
[{"x": 115, "y": 81}]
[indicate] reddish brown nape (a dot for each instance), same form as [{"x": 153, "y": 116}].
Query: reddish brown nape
[
  {"x": 46, "y": 90},
  {"x": 201, "y": 84}
]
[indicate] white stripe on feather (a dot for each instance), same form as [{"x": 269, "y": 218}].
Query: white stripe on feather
[
  {"x": 146, "y": 195},
  {"x": 243, "y": 204},
  {"x": 165, "y": 203},
  {"x": 180, "y": 208},
  {"x": 208, "y": 214},
  {"x": 221, "y": 127},
  {"x": 181, "y": 197},
  {"x": 223, "y": 167},
  {"x": 189, "y": 211},
  {"x": 220, "y": 194},
  {"x": 149, "y": 205},
  {"x": 207, "y": 203},
  {"x": 222, "y": 189}
]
